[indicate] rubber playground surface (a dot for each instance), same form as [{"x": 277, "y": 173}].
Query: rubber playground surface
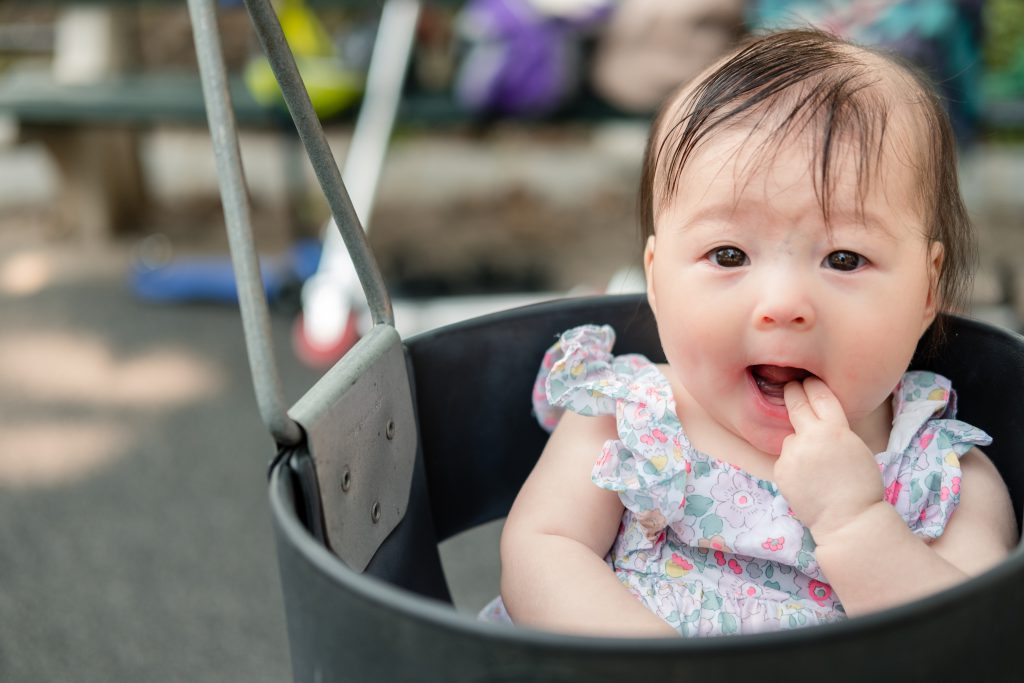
[{"x": 133, "y": 516}]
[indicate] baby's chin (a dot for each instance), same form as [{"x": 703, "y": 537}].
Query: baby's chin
[{"x": 768, "y": 440}]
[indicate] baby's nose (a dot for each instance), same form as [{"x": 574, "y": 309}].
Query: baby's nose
[{"x": 784, "y": 304}]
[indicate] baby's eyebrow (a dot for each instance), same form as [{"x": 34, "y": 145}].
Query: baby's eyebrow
[
  {"x": 716, "y": 216},
  {"x": 713, "y": 213},
  {"x": 855, "y": 220}
]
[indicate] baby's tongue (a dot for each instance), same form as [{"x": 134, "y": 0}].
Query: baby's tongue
[
  {"x": 775, "y": 374},
  {"x": 771, "y": 379}
]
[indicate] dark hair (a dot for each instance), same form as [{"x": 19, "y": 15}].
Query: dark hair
[{"x": 815, "y": 80}]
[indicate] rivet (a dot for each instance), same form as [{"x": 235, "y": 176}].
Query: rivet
[
  {"x": 389, "y": 431},
  {"x": 375, "y": 512},
  {"x": 346, "y": 480}
]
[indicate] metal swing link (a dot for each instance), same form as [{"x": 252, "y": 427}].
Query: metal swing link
[
  {"x": 231, "y": 178},
  {"x": 282, "y": 62}
]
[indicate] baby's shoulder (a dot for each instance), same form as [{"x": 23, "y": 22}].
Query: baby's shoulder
[
  {"x": 983, "y": 485},
  {"x": 984, "y": 528}
]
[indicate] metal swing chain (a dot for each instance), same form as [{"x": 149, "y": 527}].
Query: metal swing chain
[
  {"x": 231, "y": 178},
  {"x": 282, "y": 62},
  {"x": 223, "y": 131}
]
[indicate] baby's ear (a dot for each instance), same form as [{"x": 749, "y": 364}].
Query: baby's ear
[
  {"x": 936, "y": 255},
  {"x": 649, "y": 273}
]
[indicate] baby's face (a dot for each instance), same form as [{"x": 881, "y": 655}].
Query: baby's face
[{"x": 751, "y": 290}]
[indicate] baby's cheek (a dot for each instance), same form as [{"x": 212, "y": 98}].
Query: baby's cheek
[
  {"x": 706, "y": 329},
  {"x": 861, "y": 391}
]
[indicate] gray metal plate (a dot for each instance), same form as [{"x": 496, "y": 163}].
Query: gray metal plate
[{"x": 361, "y": 433}]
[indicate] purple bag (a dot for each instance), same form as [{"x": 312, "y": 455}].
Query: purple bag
[{"x": 520, "y": 60}]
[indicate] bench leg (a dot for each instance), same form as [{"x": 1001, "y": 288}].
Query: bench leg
[{"x": 101, "y": 192}]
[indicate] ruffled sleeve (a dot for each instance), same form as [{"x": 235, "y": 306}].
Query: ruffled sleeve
[
  {"x": 646, "y": 465},
  {"x": 576, "y": 374},
  {"x": 923, "y": 484}
]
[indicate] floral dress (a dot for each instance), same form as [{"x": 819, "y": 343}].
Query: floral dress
[{"x": 708, "y": 547}]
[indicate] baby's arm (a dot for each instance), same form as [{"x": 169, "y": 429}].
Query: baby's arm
[
  {"x": 866, "y": 550},
  {"x": 553, "y": 573},
  {"x": 874, "y": 561}
]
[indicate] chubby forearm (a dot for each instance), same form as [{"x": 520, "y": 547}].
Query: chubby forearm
[
  {"x": 874, "y": 562},
  {"x": 831, "y": 480},
  {"x": 559, "y": 584}
]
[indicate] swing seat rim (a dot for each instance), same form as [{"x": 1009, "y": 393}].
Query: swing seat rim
[{"x": 383, "y": 595}]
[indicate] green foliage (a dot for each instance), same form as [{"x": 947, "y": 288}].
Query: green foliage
[{"x": 1004, "y": 39}]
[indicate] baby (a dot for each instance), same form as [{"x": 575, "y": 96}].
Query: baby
[{"x": 803, "y": 227}]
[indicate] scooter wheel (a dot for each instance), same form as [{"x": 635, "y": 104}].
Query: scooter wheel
[{"x": 317, "y": 355}]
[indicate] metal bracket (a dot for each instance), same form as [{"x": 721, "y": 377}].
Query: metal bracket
[{"x": 361, "y": 434}]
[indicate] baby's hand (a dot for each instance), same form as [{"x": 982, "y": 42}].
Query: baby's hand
[{"x": 826, "y": 472}]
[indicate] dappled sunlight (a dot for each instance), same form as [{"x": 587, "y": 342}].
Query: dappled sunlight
[
  {"x": 106, "y": 402},
  {"x": 29, "y": 269},
  {"x": 53, "y": 366},
  {"x": 58, "y": 451},
  {"x": 25, "y": 273}
]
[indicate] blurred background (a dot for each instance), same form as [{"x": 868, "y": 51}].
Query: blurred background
[{"x": 135, "y": 534}]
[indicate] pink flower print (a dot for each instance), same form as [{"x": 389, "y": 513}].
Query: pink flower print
[
  {"x": 926, "y": 439},
  {"x": 659, "y": 435},
  {"x": 549, "y": 422},
  {"x": 819, "y": 591},
  {"x": 750, "y": 590},
  {"x": 955, "y": 485},
  {"x": 892, "y": 492},
  {"x": 944, "y": 493},
  {"x": 720, "y": 558},
  {"x": 646, "y": 439},
  {"x": 735, "y": 567},
  {"x": 774, "y": 544},
  {"x": 677, "y": 566},
  {"x": 740, "y": 503},
  {"x": 931, "y": 516},
  {"x": 714, "y": 543}
]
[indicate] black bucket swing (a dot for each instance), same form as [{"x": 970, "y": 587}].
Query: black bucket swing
[{"x": 398, "y": 447}]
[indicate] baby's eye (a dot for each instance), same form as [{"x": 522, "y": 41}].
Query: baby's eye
[
  {"x": 728, "y": 257},
  {"x": 844, "y": 260}
]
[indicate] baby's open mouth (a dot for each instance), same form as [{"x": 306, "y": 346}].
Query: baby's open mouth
[{"x": 771, "y": 379}]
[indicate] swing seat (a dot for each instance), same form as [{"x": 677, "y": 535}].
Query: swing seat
[{"x": 474, "y": 442}]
